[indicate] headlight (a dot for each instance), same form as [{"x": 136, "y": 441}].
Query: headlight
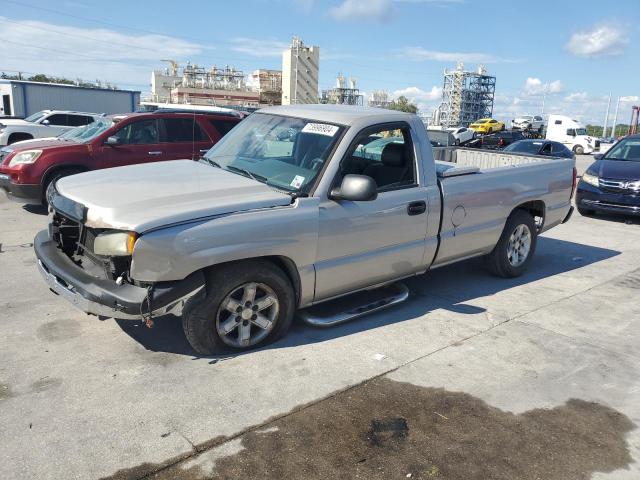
[
  {"x": 116, "y": 244},
  {"x": 590, "y": 179},
  {"x": 28, "y": 156}
]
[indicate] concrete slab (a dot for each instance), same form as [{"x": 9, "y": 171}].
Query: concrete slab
[{"x": 84, "y": 398}]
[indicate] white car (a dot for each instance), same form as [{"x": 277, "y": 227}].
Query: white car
[
  {"x": 462, "y": 134},
  {"x": 534, "y": 123},
  {"x": 46, "y": 123}
]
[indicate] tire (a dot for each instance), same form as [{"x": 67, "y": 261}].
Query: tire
[
  {"x": 18, "y": 137},
  {"x": 205, "y": 319},
  {"x": 502, "y": 128},
  {"x": 578, "y": 150},
  {"x": 503, "y": 261},
  {"x": 54, "y": 177},
  {"x": 586, "y": 212}
]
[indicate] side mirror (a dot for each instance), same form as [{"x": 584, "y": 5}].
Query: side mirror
[
  {"x": 598, "y": 156},
  {"x": 356, "y": 188},
  {"x": 112, "y": 141},
  {"x": 44, "y": 122}
]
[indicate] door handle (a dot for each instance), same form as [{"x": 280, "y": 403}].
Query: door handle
[
  {"x": 155, "y": 153},
  {"x": 204, "y": 150},
  {"x": 416, "y": 208}
]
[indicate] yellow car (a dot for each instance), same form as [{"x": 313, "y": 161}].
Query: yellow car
[{"x": 486, "y": 125}]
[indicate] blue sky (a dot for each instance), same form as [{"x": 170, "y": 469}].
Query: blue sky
[{"x": 571, "y": 52}]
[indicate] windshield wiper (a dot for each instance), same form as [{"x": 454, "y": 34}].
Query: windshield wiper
[
  {"x": 247, "y": 173},
  {"x": 209, "y": 161}
]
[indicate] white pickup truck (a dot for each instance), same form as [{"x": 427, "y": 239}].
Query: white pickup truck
[
  {"x": 43, "y": 124},
  {"x": 295, "y": 206}
]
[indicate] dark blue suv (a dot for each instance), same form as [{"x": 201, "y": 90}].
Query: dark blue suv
[{"x": 612, "y": 183}]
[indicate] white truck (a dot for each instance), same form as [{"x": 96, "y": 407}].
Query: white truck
[
  {"x": 571, "y": 133},
  {"x": 43, "y": 124}
]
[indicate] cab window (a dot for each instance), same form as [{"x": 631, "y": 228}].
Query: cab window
[
  {"x": 384, "y": 154},
  {"x": 182, "y": 130},
  {"x": 139, "y": 133}
]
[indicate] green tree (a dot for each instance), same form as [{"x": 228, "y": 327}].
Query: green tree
[{"x": 403, "y": 104}]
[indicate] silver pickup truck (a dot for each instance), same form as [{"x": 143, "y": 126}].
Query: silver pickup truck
[{"x": 296, "y": 206}]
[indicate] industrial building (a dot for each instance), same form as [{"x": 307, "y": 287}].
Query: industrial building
[
  {"x": 21, "y": 98},
  {"x": 223, "y": 87},
  {"x": 466, "y": 97},
  {"x": 268, "y": 84},
  {"x": 342, "y": 94},
  {"x": 379, "y": 98},
  {"x": 300, "y": 71}
]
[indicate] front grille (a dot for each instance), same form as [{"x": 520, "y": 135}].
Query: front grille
[
  {"x": 619, "y": 186},
  {"x": 76, "y": 241}
]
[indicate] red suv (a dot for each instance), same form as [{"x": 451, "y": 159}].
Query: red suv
[{"x": 26, "y": 169}]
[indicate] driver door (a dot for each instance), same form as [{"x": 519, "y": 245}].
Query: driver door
[
  {"x": 370, "y": 242},
  {"x": 139, "y": 143}
]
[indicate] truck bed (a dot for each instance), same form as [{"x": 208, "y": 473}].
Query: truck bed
[{"x": 480, "y": 188}]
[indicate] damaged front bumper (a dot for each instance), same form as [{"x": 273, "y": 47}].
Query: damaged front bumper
[{"x": 104, "y": 297}]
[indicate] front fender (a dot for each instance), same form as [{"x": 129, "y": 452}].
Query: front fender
[{"x": 174, "y": 252}]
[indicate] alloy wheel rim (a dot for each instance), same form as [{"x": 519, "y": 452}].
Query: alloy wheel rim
[
  {"x": 247, "y": 314},
  {"x": 519, "y": 245}
]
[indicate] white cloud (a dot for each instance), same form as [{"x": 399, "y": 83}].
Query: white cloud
[
  {"x": 631, "y": 98},
  {"x": 258, "y": 47},
  {"x": 600, "y": 41},
  {"x": 416, "y": 94},
  {"x": 88, "y": 53},
  {"x": 422, "y": 54},
  {"x": 364, "y": 10},
  {"x": 534, "y": 86},
  {"x": 576, "y": 97}
]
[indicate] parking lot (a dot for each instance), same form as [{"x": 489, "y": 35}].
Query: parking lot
[{"x": 473, "y": 377}]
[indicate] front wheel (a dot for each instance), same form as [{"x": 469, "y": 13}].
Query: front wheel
[
  {"x": 578, "y": 150},
  {"x": 516, "y": 246},
  {"x": 247, "y": 304}
]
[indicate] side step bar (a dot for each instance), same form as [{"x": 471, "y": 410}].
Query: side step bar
[{"x": 353, "y": 306}]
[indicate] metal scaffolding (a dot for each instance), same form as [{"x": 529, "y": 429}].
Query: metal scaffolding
[
  {"x": 342, "y": 94},
  {"x": 466, "y": 97}
]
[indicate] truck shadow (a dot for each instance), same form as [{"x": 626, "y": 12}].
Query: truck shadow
[{"x": 453, "y": 288}]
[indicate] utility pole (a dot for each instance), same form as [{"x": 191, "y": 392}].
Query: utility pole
[
  {"x": 606, "y": 117},
  {"x": 615, "y": 119}
]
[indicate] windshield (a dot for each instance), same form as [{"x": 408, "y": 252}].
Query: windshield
[
  {"x": 627, "y": 149},
  {"x": 439, "y": 139},
  {"x": 524, "y": 147},
  {"x": 482, "y": 120},
  {"x": 35, "y": 117},
  {"x": 284, "y": 152},
  {"x": 88, "y": 132}
]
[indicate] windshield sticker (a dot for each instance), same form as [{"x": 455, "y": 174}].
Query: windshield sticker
[
  {"x": 320, "y": 129},
  {"x": 297, "y": 181}
]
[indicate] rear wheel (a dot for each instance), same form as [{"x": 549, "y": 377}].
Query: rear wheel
[
  {"x": 247, "y": 304},
  {"x": 516, "y": 246},
  {"x": 578, "y": 150}
]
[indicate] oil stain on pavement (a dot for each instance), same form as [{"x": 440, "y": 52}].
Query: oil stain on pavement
[{"x": 384, "y": 429}]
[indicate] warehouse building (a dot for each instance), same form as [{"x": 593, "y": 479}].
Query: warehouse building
[{"x": 21, "y": 98}]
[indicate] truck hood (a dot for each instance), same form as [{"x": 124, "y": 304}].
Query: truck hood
[{"x": 147, "y": 196}]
